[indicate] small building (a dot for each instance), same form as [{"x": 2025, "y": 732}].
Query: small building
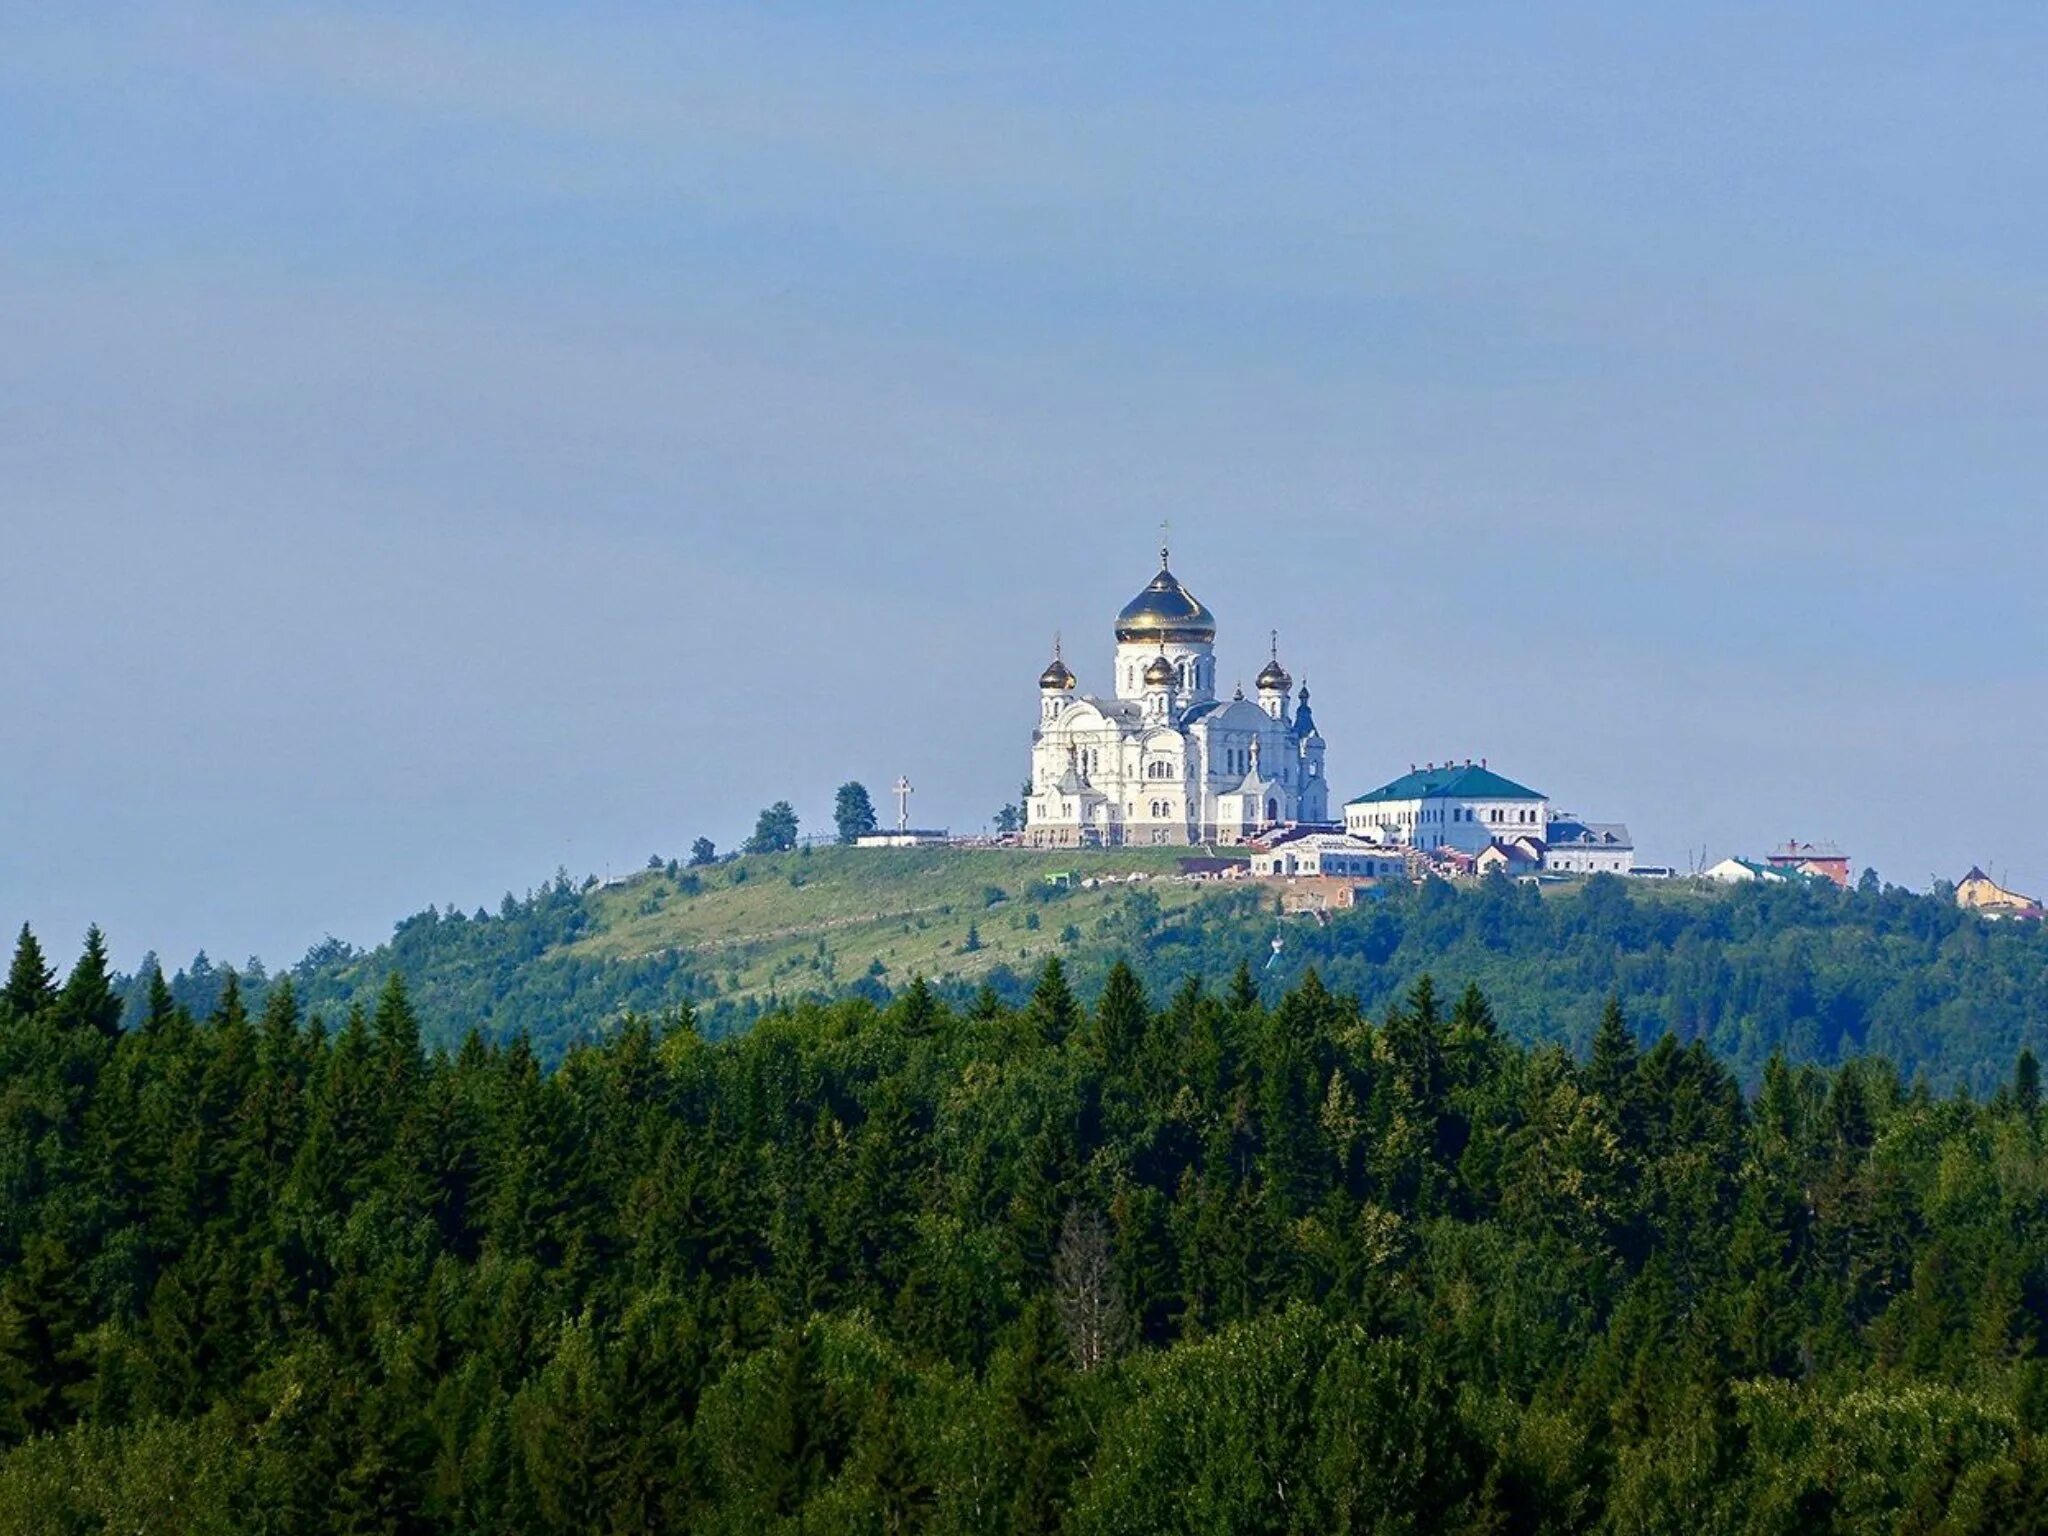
[
  {"x": 1822, "y": 859},
  {"x": 1979, "y": 893},
  {"x": 1331, "y": 854},
  {"x": 1742, "y": 871},
  {"x": 1577, "y": 847},
  {"x": 1521, "y": 856},
  {"x": 1462, "y": 806}
]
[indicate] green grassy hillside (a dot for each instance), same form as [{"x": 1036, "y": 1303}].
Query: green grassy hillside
[
  {"x": 567, "y": 961},
  {"x": 795, "y": 923}
]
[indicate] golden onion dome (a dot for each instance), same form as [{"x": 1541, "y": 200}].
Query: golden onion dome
[
  {"x": 1166, "y": 612},
  {"x": 1159, "y": 673},
  {"x": 1273, "y": 678},
  {"x": 1056, "y": 676}
]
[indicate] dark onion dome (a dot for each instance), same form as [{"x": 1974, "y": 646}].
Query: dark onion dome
[
  {"x": 1304, "y": 722},
  {"x": 1166, "y": 612},
  {"x": 1159, "y": 673},
  {"x": 1273, "y": 678},
  {"x": 1056, "y": 675}
]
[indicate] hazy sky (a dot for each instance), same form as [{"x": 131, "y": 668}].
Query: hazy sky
[{"x": 444, "y": 442}]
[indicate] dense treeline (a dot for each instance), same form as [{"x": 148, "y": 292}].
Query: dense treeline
[
  {"x": 1820, "y": 975},
  {"x": 1237, "y": 1263}
]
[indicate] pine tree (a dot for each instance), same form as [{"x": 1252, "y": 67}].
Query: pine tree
[
  {"x": 271, "y": 1121},
  {"x": 1038, "y": 1433},
  {"x": 88, "y": 1001},
  {"x": 2026, "y": 1082},
  {"x": 775, "y": 831},
  {"x": 1244, "y": 990},
  {"x": 31, "y": 983},
  {"x": 344, "y": 1115},
  {"x": 40, "y": 1315},
  {"x": 1611, "y": 1064},
  {"x": 1472, "y": 1046},
  {"x": 917, "y": 1011},
  {"x": 160, "y": 1006},
  {"x": 1121, "y": 1019},
  {"x": 396, "y": 1029},
  {"x": 853, "y": 813},
  {"x": 1054, "y": 1013}
]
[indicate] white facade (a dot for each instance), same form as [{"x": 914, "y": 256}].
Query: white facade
[
  {"x": 910, "y": 837},
  {"x": 1459, "y": 805},
  {"x": 1739, "y": 872},
  {"x": 1332, "y": 854},
  {"x": 1576, "y": 847},
  {"x": 1162, "y": 760}
]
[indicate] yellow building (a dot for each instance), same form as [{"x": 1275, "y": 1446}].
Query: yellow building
[{"x": 1980, "y": 893}]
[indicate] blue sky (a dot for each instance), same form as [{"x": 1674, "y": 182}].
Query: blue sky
[{"x": 439, "y": 443}]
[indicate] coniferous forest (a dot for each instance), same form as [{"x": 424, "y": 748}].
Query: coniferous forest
[{"x": 1210, "y": 1260}]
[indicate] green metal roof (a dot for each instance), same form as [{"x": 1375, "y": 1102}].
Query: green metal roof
[{"x": 1467, "y": 781}]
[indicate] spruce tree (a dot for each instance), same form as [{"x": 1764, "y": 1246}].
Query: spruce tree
[
  {"x": 1611, "y": 1063},
  {"x": 917, "y": 1011},
  {"x": 396, "y": 1029},
  {"x": 88, "y": 1001},
  {"x": 1121, "y": 1018},
  {"x": 853, "y": 813},
  {"x": 160, "y": 1007},
  {"x": 31, "y": 982},
  {"x": 1244, "y": 990},
  {"x": 1472, "y": 1045},
  {"x": 1053, "y": 1009},
  {"x": 2026, "y": 1082}
]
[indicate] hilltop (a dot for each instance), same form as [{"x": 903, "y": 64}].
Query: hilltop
[
  {"x": 1820, "y": 974},
  {"x": 734, "y": 939}
]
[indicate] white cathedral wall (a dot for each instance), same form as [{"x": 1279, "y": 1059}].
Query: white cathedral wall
[
  {"x": 1197, "y": 767},
  {"x": 1133, "y": 657}
]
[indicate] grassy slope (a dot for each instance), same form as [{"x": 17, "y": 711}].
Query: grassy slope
[{"x": 794, "y": 923}]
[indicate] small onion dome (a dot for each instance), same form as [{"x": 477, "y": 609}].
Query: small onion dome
[
  {"x": 1304, "y": 721},
  {"x": 1056, "y": 677},
  {"x": 1159, "y": 673},
  {"x": 1273, "y": 678}
]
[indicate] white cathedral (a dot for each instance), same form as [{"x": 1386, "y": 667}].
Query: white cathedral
[{"x": 1163, "y": 760}]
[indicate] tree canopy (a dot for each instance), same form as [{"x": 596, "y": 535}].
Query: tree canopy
[
  {"x": 775, "y": 830},
  {"x": 1191, "y": 1259},
  {"x": 853, "y": 813}
]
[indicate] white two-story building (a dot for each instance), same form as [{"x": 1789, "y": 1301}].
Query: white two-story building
[{"x": 1458, "y": 805}]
